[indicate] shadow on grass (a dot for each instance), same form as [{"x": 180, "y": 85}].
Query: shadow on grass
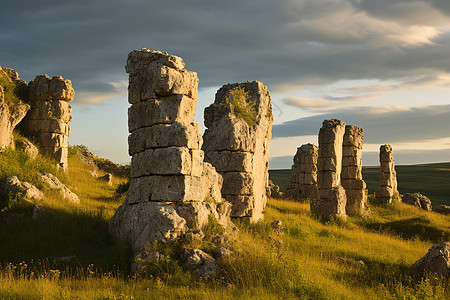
[
  {"x": 58, "y": 233},
  {"x": 418, "y": 227}
]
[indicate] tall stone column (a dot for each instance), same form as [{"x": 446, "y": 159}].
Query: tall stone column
[
  {"x": 351, "y": 175},
  {"x": 303, "y": 181},
  {"x": 171, "y": 188},
  {"x": 237, "y": 142},
  {"x": 386, "y": 191},
  {"x": 332, "y": 198},
  {"x": 49, "y": 115}
]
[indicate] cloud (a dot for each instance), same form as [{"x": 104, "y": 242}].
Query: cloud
[
  {"x": 328, "y": 103},
  {"x": 384, "y": 124},
  {"x": 286, "y": 44}
]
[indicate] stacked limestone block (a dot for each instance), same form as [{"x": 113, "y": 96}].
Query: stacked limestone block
[
  {"x": 386, "y": 191},
  {"x": 303, "y": 182},
  {"x": 239, "y": 151},
  {"x": 351, "y": 175},
  {"x": 50, "y": 114},
  {"x": 332, "y": 198},
  {"x": 171, "y": 188}
]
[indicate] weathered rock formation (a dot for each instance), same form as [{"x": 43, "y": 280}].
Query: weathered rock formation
[
  {"x": 49, "y": 114},
  {"x": 351, "y": 175},
  {"x": 11, "y": 186},
  {"x": 332, "y": 198},
  {"x": 12, "y": 109},
  {"x": 386, "y": 191},
  {"x": 419, "y": 200},
  {"x": 437, "y": 260},
  {"x": 303, "y": 182},
  {"x": 171, "y": 188},
  {"x": 237, "y": 142}
]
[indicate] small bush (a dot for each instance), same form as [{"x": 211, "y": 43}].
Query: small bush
[{"x": 239, "y": 105}]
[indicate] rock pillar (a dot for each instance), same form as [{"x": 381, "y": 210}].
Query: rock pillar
[
  {"x": 171, "y": 188},
  {"x": 332, "y": 198},
  {"x": 386, "y": 191},
  {"x": 303, "y": 182},
  {"x": 351, "y": 175},
  {"x": 237, "y": 142},
  {"x": 49, "y": 115},
  {"x": 12, "y": 111}
]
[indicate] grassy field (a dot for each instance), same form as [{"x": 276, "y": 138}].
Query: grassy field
[
  {"x": 307, "y": 259},
  {"x": 431, "y": 180}
]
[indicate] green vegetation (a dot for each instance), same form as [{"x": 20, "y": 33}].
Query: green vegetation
[
  {"x": 13, "y": 91},
  {"x": 307, "y": 259},
  {"x": 431, "y": 180},
  {"x": 239, "y": 104}
]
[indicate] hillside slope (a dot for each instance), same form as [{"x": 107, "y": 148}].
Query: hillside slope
[{"x": 362, "y": 258}]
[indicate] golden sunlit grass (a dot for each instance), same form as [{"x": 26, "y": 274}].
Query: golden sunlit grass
[{"x": 307, "y": 259}]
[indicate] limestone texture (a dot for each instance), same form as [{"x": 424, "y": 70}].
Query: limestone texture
[
  {"x": 386, "y": 191},
  {"x": 13, "y": 185},
  {"x": 54, "y": 183},
  {"x": 303, "y": 181},
  {"x": 12, "y": 111},
  {"x": 437, "y": 260},
  {"x": 332, "y": 199},
  {"x": 172, "y": 189},
  {"x": 419, "y": 200},
  {"x": 237, "y": 145},
  {"x": 351, "y": 174},
  {"x": 49, "y": 115}
]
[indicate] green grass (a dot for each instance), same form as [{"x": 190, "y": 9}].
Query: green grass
[
  {"x": 431, "y": 180},
  {"x": 239, "y": 105},
  {"x": 308, "y": 259}
]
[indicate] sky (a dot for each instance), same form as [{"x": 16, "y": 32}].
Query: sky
[{"x": 383, "y": 65}]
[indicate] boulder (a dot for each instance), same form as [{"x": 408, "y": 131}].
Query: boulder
[
  {"x": 12, "y": 185},
  {"x": 28, "y": 147},
  {"x": 106, "y": 178},
  {"x": 437, "y": 260},
  {"x": 417, "y": 199},
  {"x": 145, "y": 222},
  {"x": 54, "y": 183}
]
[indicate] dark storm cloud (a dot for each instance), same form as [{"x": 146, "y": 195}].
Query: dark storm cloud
[
  {"x": 285, "y": 44},
  {"x": 381, "y": 125}
]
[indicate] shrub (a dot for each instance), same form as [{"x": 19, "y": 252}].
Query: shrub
[{"x": 239, "y": 104}]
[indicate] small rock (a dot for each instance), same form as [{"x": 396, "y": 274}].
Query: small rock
[
  {"x": 224, "y": 252},
  {"x": 191, "y": 236},
  {"x": 276, "y": 225},
  {"x": 351, "y": 261},
  {"x": 38, "y": 212},
  {"x": 106, "y": 178},
  {"x": 437, "y": 260},
  {"x": 31, "y": 150},
  {"x": 442, "y": 209},
  {"x": 93, "y": 173},
  {"x": 200, "y": 262}
]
